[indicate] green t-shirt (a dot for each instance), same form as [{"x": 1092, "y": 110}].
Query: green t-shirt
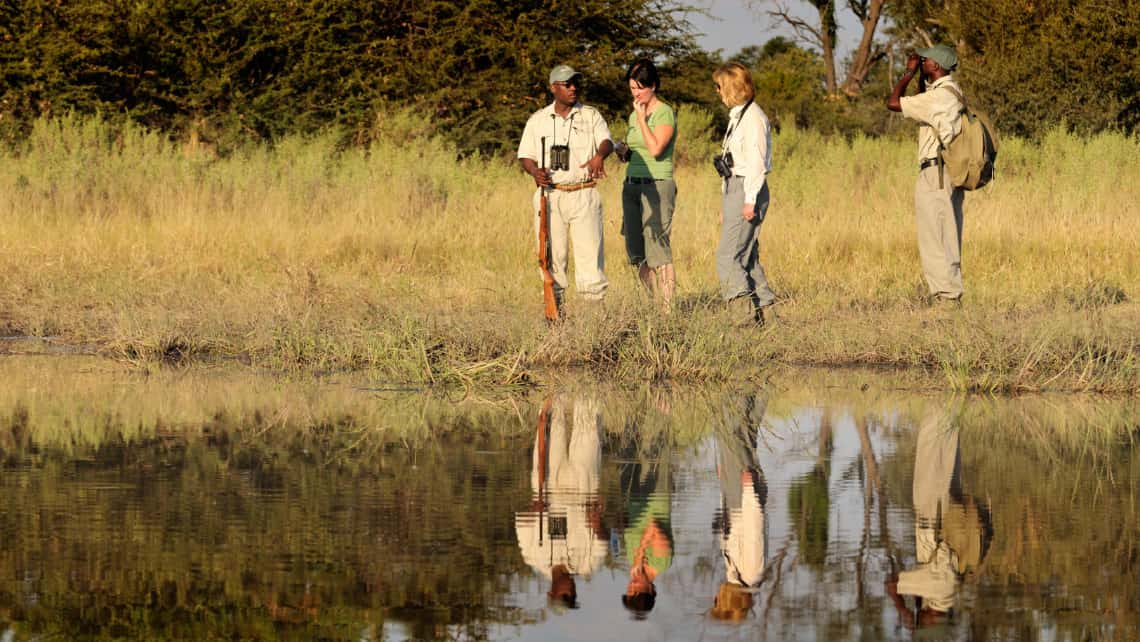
[
  {"x": 642, "y": 164},
  {"x": 643, "y": 512}
]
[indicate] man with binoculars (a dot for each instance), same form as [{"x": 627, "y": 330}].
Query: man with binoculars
[
  {"x": 938, "y": 204},
  {"x": 563, "y": 148}
]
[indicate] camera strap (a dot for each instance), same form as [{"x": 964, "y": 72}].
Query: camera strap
[{"x": 732, "y": 126}]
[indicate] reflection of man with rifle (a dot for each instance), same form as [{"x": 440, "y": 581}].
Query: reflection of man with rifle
[
  {"x": 560, "y": 535},
  {"x": 564, "y": 147}
]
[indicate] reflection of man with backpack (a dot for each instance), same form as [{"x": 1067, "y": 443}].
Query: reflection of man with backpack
[
  {"x": 956, "y": 148},
  {"x": 952, "y": 530}
]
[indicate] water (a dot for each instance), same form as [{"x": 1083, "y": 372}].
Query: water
[{"x": 214, "y": 505}]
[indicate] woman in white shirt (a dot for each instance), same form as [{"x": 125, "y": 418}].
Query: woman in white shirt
[{"x": 744, "y": 163}]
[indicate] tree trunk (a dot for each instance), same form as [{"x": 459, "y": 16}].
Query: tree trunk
[
  {"x": 827, "y": 45},
  {"x": 865, "y": 55}
]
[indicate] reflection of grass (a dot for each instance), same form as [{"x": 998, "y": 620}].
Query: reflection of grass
[{"x": 413, "y": 266}]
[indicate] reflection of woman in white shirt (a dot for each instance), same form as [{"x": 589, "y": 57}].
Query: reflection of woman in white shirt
[{"x": 739, "y": 523}]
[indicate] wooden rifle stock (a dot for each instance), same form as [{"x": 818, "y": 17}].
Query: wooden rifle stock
[{"x": 550, "y": 304}]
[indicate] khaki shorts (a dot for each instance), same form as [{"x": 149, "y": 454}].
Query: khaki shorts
[{"x": 647, "y": 219}]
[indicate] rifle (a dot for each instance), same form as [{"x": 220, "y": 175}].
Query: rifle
[
  {"x": 542, "y": 456},
  {"x": 550, "y": 304}
]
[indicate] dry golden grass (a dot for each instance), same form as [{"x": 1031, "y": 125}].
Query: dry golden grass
[{"x": 404, "y": 262}]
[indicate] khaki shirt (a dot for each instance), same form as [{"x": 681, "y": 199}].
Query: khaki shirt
[
  {"x": 939, "y": 113},
  {"x": 583, "y": 129}
]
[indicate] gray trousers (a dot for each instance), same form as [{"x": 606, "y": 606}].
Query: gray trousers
[
  {"x": 938, "y": 219},
  {"x": 738, "y": 254}
]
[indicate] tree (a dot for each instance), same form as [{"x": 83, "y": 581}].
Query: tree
[
  {"x": 1035, "y": 65},
  {"x": 823, "y": 33},
  {"x": 867, "y": 53},
  {"x": 259, "y": 69},
  {"x": 788, "y": 80}
]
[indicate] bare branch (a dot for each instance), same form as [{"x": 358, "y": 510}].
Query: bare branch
[
  {"x": 925, "y": 35},
  {"x": 803, "y": 30}
]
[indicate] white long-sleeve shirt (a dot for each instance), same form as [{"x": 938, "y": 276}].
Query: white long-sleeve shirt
[{"x": 750, "y": 141}]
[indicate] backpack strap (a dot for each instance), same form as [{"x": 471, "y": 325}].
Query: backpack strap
[
  {"x": 941, "y": 145},
  {"x": 958, "y": 95}
]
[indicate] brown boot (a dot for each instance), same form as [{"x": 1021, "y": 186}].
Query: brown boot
[{"x": 742, "y": 312}]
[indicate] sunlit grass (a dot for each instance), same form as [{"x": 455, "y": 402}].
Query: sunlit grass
[{"x": 408, "y": 264}]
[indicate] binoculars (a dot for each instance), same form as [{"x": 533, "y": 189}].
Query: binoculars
[
  {"x": 559, "y": 157},
  {"x": 723, "y": 164}
]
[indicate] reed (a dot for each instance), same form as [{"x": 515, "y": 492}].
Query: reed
[{"x": 413, "y": 265}]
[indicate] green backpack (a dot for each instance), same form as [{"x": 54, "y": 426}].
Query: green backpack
[{"x": 968, "y": 159}]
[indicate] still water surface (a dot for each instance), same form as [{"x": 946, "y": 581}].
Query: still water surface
[{"x": 197, "y": 507}]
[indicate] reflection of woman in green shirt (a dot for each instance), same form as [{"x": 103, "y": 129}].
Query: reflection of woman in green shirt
[
  {"x": 648, "y": 537},
  {"x": 649, "y": 194}
]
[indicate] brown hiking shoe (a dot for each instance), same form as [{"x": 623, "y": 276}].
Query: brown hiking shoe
[{"x": 742, "y": 313}]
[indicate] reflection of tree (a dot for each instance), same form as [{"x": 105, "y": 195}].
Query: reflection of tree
[
  {"x": 234, "y": 535},
  {"x": 809, "y": 504}
]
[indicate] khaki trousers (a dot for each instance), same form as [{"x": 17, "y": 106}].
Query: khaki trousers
[
  {"x": 575, "y": 222},
  {"x": 938, "y": 218}
]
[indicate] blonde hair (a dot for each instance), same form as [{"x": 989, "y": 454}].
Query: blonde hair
[
  {"x": 735, "y": 82},
  {"x": 732, "y": 603}
]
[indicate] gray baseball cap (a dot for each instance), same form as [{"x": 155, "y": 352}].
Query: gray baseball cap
[
  {"x": 944, "y": 55},
  {"x": 562, "y": 73}
]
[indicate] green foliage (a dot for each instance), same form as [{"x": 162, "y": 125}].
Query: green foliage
[
  {"x": 1034, "y": 65},
  {"x": 809, "y": 507},
  {"x": 789, "y": 85},
  {"x": 688, "y": 79},
  {"x": 698, "y": 130},
  {"x": 258, "y": 69},
  {"x": 232, "y": 71}
]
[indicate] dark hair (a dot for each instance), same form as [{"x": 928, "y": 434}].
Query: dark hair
[
  {"x": 644, "y": 72},
  {"x": 639, "y": 603}
]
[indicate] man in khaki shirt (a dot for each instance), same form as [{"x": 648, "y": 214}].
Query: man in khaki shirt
[
  {"x": 938, "y": 204},
  {"x": 579, "y": 132},
  {"x": 560, "y": 534}
]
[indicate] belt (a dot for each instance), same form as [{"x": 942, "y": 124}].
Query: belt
[
  {"x": 929, "y": 162},
  {"x": 574, "y": 187},
  {"x": 639, "y": 180}
]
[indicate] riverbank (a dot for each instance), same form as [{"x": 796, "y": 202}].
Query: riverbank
[{"x": 406, "y": 265}]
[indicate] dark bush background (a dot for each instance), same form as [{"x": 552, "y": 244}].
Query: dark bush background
[{"x": 234, "y": 71}]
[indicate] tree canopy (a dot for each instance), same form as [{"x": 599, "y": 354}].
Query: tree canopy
[
  {"x": 234, "y": 70},
  {"x": 263, "y": 68}
]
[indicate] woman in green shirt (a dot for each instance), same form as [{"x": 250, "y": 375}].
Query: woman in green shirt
[{"x": 649, "y": 193}]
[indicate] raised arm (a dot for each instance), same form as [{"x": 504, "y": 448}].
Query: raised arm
[
  {"x": 912, "y": 64},
  {"x": 656, "y": 138}
]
